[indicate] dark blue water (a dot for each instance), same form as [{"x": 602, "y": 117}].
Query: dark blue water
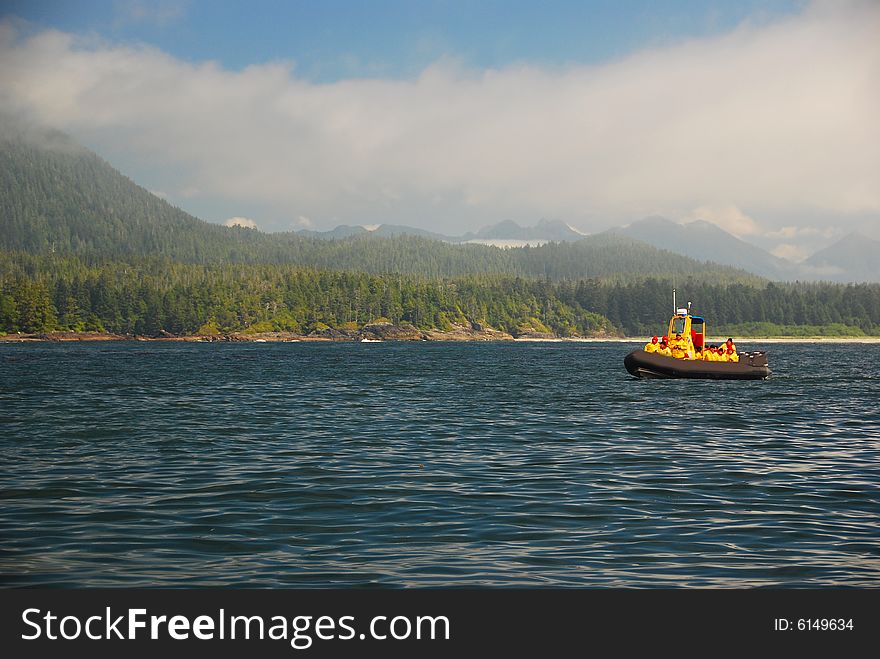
[{"x": 429, "y": 464}]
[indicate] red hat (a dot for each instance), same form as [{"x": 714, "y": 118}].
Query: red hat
[
  {"x": 653, "y": 339},
  {"x": 665, "y": 339}
]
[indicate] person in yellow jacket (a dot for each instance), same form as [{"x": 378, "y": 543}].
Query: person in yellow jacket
[
  {"x": 690, "y": 352},
  {"x": 679, "y": 347},
  {"x": 664, "y": 349},
  {"x": 652, "y": 345},
  {"x": 731, "y": 356},
  {"x": 730, "y": 345}
]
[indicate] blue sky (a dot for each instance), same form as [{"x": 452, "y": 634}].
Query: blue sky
[
  {"x": 334, "y": 39},
  {"x": 758, "y": 116}
]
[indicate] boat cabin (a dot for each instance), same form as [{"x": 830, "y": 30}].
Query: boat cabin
[{"x": 684, "y": 324}]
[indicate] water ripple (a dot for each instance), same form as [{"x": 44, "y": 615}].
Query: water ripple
[{"x": 432, "y": 465}]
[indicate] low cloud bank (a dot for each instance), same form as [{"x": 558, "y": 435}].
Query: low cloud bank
[{"x": 769, "y": 118}]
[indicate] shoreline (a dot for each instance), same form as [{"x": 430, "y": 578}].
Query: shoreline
[
  {"x": 391, "y": 334},
  {"x": 745, "y": 339}
]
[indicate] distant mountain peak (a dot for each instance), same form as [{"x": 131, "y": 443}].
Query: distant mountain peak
[
  {"x": 855, "y": 257},
  {"x": 558, "y": 225},
  {"x": 703, "y": 224},
  {"x": 652, "y": 222},
  {"x": 705, "y": 241},
  {"x": 545, "y": 230},
  {"x": 500, "y": 227}
]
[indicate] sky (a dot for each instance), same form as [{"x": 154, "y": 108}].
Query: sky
[{"x": 444, "y": 115}]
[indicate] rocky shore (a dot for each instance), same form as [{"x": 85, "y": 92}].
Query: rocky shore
[
  {"x": 390, "y": 333},
  {"x": 370, "y": 332}
]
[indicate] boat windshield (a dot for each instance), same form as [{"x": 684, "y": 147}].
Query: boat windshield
[{"x": 678, "y": 325}]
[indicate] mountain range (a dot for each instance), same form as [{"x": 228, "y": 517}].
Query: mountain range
[
  {"x": 506, "y": 233},
  {"x": 706, "y": 241},
  {"x": 854, "y": 258},
  {"x": 55, "y": 195}
]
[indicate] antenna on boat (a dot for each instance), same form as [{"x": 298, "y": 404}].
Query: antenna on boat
[{"x": 674, "y": 306}]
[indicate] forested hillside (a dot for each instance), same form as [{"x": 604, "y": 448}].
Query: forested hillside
[{"x": 58, "y": 197}]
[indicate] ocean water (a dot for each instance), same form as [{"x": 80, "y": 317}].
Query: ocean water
[{"x": 433, "y": 464}]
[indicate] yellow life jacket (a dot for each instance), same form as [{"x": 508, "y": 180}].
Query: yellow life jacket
[
  {"x": 678, "y": 351},
  {"x": 664, "y": 351},
  {"x": 733, "y": 357},
  {"x": 652, "y": 347}
]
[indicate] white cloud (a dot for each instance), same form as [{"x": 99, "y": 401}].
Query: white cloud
[
  {"x": 791, "y": 252},
  {"x": 794, "y": 232},
  {"x": 774, "y": 118},
  {"x": 304, "y": 222},
  {"x": 245, "y": 222}
]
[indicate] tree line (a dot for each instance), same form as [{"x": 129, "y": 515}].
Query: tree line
[
  {"x": 154, "y": 296},
  {"x": 151, "y": 296},
  {"x": 771, "y": 308}
]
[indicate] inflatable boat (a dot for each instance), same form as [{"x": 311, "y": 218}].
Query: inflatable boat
[
  {"x": 690, "y": 333},
  {"x": 751, "y": 366}
]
